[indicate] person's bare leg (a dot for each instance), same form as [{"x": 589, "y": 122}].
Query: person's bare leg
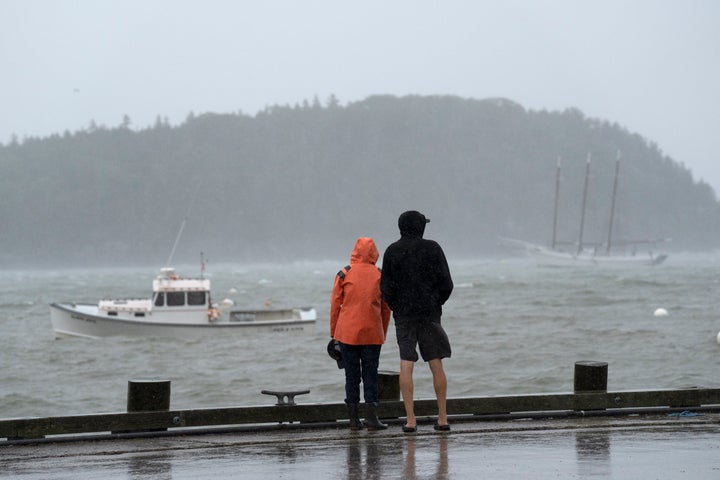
[
  {"x": 440, "y": 385},
  {"x": 406, "y": 388}
]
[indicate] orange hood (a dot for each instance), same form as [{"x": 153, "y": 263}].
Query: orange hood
[{"x": 365, "y": 251}]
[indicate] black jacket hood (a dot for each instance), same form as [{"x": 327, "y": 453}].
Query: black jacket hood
[{"x": 412, "y": 224}]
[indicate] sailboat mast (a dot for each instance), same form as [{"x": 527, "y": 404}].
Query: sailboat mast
[
  {"x": 555, "y": 210},
  {"x": 584, "y": 202},
  {"x": 612, "y": 205}
]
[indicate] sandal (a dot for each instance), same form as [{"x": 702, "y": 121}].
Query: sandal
[
  {"x": 407, "y": 429},
  {"x": 441, "y": 428}
]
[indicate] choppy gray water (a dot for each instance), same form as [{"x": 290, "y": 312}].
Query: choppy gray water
[{"x": 515, "y": 328}]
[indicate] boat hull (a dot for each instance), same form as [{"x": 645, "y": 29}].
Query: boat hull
[{"x": 81, "y": 321}]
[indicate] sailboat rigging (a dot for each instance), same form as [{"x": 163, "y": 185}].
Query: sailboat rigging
[{"x": 581, "y": 255}]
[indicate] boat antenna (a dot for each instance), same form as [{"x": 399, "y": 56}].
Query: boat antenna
[
  {"x": 177, "y": 239},
  {"x": 584, "y": 202},
  {"x": 612, "y": 205},
  {"x": 182, "y": 226},
  {"x": 555, "y": 210}
]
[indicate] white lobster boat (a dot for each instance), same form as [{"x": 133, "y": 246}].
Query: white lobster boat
[{"x": 179, "y": 307}]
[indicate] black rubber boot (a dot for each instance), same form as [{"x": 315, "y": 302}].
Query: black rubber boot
[
  {"x": 355, "y": 423},
  {"x": 371, "y": 420}
]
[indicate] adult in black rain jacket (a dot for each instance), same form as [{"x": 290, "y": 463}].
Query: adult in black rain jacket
[{"x": 415, "y": 283}]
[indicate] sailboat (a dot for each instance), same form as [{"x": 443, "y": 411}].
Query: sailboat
[{"x": 585, "y": 253}]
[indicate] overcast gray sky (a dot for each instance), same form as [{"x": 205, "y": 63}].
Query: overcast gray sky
[{"x": 653, "y": 66}]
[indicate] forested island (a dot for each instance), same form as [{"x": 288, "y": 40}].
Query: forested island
[{"x": 303, "y": 181}]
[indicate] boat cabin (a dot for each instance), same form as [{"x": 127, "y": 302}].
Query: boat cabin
[{"x": 169, "y": 291}]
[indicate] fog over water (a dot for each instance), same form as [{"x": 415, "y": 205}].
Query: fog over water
[{"x": 651, "y": 66}]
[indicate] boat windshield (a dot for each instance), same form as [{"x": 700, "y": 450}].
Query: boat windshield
[
  {"x": 196, "y": 298},
  {"x": 175, "y": 299},
  {"x": 179, "y": 299}
]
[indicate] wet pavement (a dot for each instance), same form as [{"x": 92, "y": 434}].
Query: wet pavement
[{"x": 631, "y": 447}]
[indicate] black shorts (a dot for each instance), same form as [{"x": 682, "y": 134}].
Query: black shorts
[{"x": 429, "y": 335}]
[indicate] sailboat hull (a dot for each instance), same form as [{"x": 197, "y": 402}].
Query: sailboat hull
[{"x": 545, "y": 256}]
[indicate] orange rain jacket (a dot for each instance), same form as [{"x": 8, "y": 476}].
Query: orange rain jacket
[{"x": 358, "y": 316}]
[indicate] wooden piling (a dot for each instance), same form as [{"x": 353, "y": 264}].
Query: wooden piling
[
  {"x": 591, "y": 376},
  {"x": 148, "y": 395},
  {"x": 388, "y": 385}
]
